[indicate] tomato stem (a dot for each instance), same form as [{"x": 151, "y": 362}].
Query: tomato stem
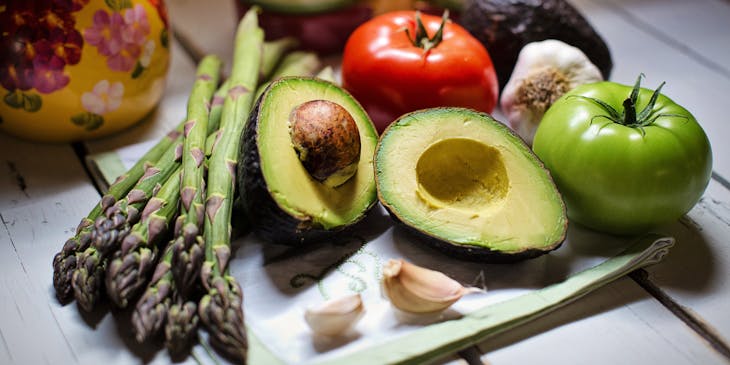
[
  {"x": 628, "y": 117},
  {"x": 421, "y": 38},
  {"x": 629, "y": 112}
]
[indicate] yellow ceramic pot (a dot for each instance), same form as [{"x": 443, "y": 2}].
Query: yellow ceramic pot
[{"x": 77, "y": 69}]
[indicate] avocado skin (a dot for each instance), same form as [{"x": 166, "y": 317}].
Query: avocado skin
[
  {"x": 266, "y": 219},
  {"x": 468, "y": 252},
  {"x": 264, "y": 216},
  {"x": 505, "y": 26}
]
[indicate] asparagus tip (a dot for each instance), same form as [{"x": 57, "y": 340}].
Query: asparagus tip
[{"x": 221, "y": 312}]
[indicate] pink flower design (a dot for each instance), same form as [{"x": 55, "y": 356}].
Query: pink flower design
[
  {"x": 104, "y": 98},
  {"x": 106, "y": 32},
  {"x": 125, "y": 59},
  {"x": 119, "y": 38},
  {"x": 137, "y": 27}
]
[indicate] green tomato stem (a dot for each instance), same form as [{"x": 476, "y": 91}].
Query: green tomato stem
[
  {"x": 629, "y": 112},
  {"x": 628, "y": 117}
]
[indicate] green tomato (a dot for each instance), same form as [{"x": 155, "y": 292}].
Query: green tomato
[{"x": 626, "y": 159}]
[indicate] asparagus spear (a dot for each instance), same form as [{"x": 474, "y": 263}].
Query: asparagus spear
[
  {"x": 129, "y": 270},
  {"x": 152, "y": 308},
  {"x": 150, "y": 312},
  {"x": 64, "y": 262},
  {"x": 273, "y": 52},
  {"x": 294, "y": 63},
  {"x": 188, "y": 253},
  {"x": 192, "y": 191},
  {"x": 114, "y": 224},
  {"x": 182, "y": 323},
  {"x": 119, "y": 216},
  {"x": 220, "y": 309}
]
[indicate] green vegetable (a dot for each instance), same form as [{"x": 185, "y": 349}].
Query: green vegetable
[
  {"x": 272, "y": 54},
  {"x": 64, "y": 262},
  {"x": 128, "y": 272},
  {"x": 285, "y": 202},
  {"x": 221, "y": 308},
  {"x": 119, "y": 216},
  {"x": 468, "y": 186},
  {"x": 192, "y": 189},
  {"x": 114, "y": 224},
  {"x": 130, "y": 267},
  {"x": 626, "y": 159},
  {"x": 156, "y": 305},
  {"x": 150, "y": 312}
]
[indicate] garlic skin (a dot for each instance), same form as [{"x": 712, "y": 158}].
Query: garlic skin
[
  {"x": 544, "y": 71},
  {"x": 336, "y": 316},
  {"x": 415, "y": 289}
]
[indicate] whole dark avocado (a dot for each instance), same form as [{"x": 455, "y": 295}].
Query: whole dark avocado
[{"x": 505, "y": 26}]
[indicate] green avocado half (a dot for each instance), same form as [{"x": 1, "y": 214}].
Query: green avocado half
[
  {"x": 306, "y": 168},
  {"x": 469, "y": 186}
]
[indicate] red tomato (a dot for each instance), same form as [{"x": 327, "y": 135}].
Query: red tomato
[{"x": 390, "y": 76}]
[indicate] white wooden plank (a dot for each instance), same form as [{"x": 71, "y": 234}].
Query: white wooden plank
[
  {"x": 696, "y": 274},
  {"x": 699, "y": 27},
  {"x": 38, "y": 230},
  {"x": 30, "y": 313},
  {"x": 700, "y": 88},
  {"x": 218, "y": 21},
  {"x": 26, "y": 321},
  {"x": 52, "y": 181},
  {"x": 167, "y": 115},
  {"x": 54, "y": 169},
  {"x": 617, "y": 324}
]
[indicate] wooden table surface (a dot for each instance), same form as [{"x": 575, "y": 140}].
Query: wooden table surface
[{"x": 675, "y": 312}]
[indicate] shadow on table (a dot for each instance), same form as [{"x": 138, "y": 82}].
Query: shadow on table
[{"x": 691, "y": 265}]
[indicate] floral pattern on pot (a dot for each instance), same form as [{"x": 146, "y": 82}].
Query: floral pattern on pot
[
  {"x": 105, "y": 97},
  {"x": 119, "y": 37},
  {"x": 77, "y": 69},
  {"x": 38, "y": 40}
]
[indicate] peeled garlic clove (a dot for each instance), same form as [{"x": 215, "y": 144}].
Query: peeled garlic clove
[
  {"x": 335, "y": 316},
  {"x": 415, "y": 289}
]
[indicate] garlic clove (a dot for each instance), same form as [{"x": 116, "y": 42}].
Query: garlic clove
[
  {"x": 415, "y": 289},
  {"x": 335, "y": 316}
]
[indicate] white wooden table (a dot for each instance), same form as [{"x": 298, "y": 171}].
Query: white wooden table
[{"x": 672, "y": 313}]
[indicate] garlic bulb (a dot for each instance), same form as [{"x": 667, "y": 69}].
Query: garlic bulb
[
  {"x": 544, "y": 71},
  {"x": 335, "y": 316},
  {"x": 415, "y": 289}
]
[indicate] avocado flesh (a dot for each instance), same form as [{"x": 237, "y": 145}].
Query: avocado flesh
[
  {"x": 287, "y": 181},
  {"x": 464, "y": 179}
]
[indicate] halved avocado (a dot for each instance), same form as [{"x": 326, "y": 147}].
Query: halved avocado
[
  {"x": 307, "y": 165},
  {"x": 469, "y": 186}
]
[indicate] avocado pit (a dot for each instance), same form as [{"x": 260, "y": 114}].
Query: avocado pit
[{"x": 326, "y": 140}]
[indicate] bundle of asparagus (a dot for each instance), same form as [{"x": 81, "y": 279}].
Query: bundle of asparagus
[{"x": 183, "y": 189}]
